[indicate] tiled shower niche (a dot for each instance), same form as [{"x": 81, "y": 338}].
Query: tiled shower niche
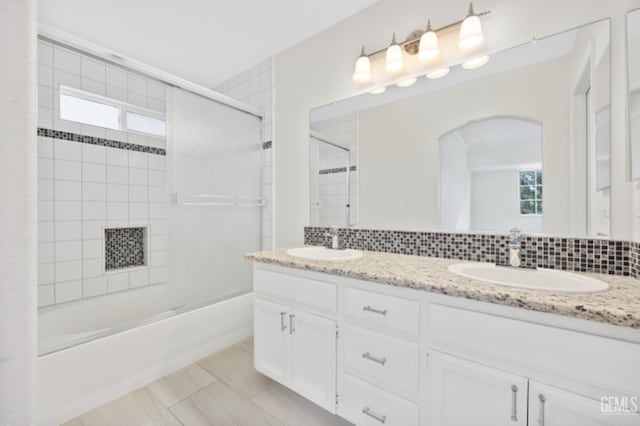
[{"x": 124, "y": 248}]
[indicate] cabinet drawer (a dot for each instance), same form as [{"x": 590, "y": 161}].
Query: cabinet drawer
[
  {"x": 382, "y": 360},
  {"x": 298, "y": 291},
  {"x": 382, "y": 312},
  {"x": 372, "y": 406}
]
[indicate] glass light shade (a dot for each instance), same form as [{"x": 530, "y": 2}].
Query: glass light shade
[
  {"x": 407, "y": 82},
  {"x": 428, "y": 46},
  {"x": 471, "y": 32},
  {"x": 475, "y": 62},
  {"x": 395, "y": 59},
  {"x": 378, "y": 90},
  {"x": 438, "y": 73},
  {"x": 362, "y": 72}
]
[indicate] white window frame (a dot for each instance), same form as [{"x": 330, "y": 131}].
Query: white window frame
[
  {"x": 535, "y": 200},
  {"x": 123, "y": 108}
]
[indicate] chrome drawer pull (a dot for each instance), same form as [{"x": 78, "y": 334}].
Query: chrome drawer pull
[
  {"x": 283, "y": 327},
  {"x": 381, "y": 361},
  {"x": 514, "y": 403},
  {"x": 379, "y": 417},
  {"x": 291, "y": 329},
  {"x": 382, "y": 312},
  {"x": 542, "y": 400}
]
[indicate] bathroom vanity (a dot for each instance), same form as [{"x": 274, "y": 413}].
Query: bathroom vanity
[{"x": 399, "y": 340}]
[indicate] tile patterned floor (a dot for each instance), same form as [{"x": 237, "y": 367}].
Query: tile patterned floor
[{"x": 221, "y": 389}]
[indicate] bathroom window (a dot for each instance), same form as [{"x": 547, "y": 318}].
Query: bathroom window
[
  {"x": 88, "y": 108},
  {"x": 531, "y": 192}
]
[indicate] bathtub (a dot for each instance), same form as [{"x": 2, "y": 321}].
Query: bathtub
[{"x": 148, "y": 342}]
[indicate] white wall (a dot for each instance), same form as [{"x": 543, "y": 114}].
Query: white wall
[
  {"x": 455, "y": 184},
  {"x": 17, "y": 212},
  {"x": 318, "y": 71}
]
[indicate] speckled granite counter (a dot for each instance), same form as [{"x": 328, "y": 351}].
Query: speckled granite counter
[{"x": 620, "y": 305}]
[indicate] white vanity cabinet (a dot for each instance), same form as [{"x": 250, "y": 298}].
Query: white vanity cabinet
[
  {"x": 293, "y": 343},
  {"x": 381, "y": 355}
]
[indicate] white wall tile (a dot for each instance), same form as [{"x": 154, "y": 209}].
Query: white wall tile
[
  {"x": 68, "y": 271},
  {"x": 45, "y": 231},
  {"x": 137, "y": 99},
  {"x": 117, "y": 174},
  {"x": 94, "y": 70},
  {"x": 117, "y": 192},
  {"x": 46, "y": 273},
  {"x": 94, "y": 172},
  {"x": 65, "y": 78},
  {"x": 93, "y": 229},
  {"x": 138, "y": 211},
  {"x": 156, "y": 143},
  {"x": 95, "y": 87},
  {"x": 94, "y": 286},
  {"x": 68, "y": 250},
  {"x": 45, "y": 53},
  {"x": 159, "y": 227},
  {"x": 68, "y": 291},
  {"x": 45, "y": 168},
  {"x": 117, "y": 157},
  {"x": 138, "y": 177},
  {"x": 156, "y": 90},
  {"x": 68, "y": 210},
  {"x": 158, "y": 259},
  {"x": 92, "y": 268},
  {"x": 157, "y": 211},
  {"x": 45, "y": 147},
  {"x": 118, "y": 211},
  {"x": 139, "y": 278},
  {"x": 67, "y": 170},
  {"x": 68, "y": 230},
  {"x": 46, "y": 252},
  {"x": 45, "y": 189},
  {"x": 156, "y": 178},
  {"x": 67, "y": 190},
  {"x": 66, "y": 60},
  {"x": 137, "y": 84},
  {"x": 157, "y": 162},
  {"x": 159, "y": 242},
  {"x": 93, "y": 153},
  {"x": 94, "y": 191},
  {"x": 45, "y": 97},
  {"x": 92, "y": 249},
  {"x": 116, "y": 77},
  {"x": 157, "y": 275},
  {"x": 138, "y": 194},
  {"x": 117, "y": 93},
  {"x": 156, "y": 105},
  {"x": 118, "y": 282},
  {"x": 94, "y": 210},
  {"x": 137, "y": 159},
  {"x": 45, "y": 296},
  {"x": 45, "y": 117},
  {"x": 157, "y": 194}
]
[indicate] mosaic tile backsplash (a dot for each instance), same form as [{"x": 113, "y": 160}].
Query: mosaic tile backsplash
[
  {"x": 570, "y": 254},
  {"x": 124, "y": 247}
]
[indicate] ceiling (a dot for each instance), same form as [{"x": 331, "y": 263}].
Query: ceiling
[{"x": 205, "y": 41}]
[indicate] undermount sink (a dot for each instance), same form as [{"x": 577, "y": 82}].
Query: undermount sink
[
  {"x": 323, "y": 253},
  {"x": 531, "y": 279}
]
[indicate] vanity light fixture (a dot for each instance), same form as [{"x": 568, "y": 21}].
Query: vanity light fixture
[
  {"x": 471, "y": 30},
  {"x": 439, "y": 73},
  {"x": 395, "y": 58},
  {"x": 362, "y": 72},
  {"x": 378, "y": 90},
  {"x": 476, "y": 62},
  {"x": 407, "y": 82},
  {"x": 428, "y": 48}
]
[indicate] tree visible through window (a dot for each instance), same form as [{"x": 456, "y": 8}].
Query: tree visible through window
[{"x": 531, "y": 192}]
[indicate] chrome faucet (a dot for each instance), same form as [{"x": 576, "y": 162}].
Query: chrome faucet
[
  {"x": 333, "y": 233},
  {"x": 515, "y": 235}
]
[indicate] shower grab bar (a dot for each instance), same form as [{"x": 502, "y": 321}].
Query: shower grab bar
[{"x": 217, "y": 200}]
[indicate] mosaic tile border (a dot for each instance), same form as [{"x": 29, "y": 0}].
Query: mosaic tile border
[
  {"x": 570, "y": 254},
  {"x": 336, "y": 170},
  {"x": 76, "y": 137}
]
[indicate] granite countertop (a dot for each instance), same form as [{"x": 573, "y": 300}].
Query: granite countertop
[{"x": 620, "y": 305}]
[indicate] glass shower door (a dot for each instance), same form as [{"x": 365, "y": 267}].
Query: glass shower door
[{"x": 215, "y": 161}]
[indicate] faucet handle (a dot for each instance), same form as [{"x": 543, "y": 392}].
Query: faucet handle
[{"x": 516, "y": 231}]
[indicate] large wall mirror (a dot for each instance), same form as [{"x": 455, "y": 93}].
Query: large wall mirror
[
  {"x": 633, "y": 63},
  {"x": 522, "y": 142}
]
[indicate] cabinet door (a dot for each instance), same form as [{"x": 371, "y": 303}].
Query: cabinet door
[
  {"x": 466, "y": 393},
  {"x": 271, "y": 339},
  {"x": 549, "y": 406},
  {"x": 313, "y": 363}
]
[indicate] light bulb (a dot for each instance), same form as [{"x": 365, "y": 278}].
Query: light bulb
[
  {"x": 438, "y": 73},
  {"x": 362, "y": 71},
  {"x": 428, "y": 48},
  {"x": 475, "y": 62},
  {"x": 395, "y": 58},
  {"x": 407, "y": 82},
  {"x": 378, "y": 90},
  {"x": 471, "y": 31}
]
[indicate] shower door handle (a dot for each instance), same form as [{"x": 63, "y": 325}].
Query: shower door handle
[
  {"x": 291, "y": 329},
  {"x": 283, "y": 326}
]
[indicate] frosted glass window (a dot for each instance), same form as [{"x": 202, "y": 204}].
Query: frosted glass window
[
  {"x": 84, "y": 111},
  {"x": 145, "y": 124}
]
